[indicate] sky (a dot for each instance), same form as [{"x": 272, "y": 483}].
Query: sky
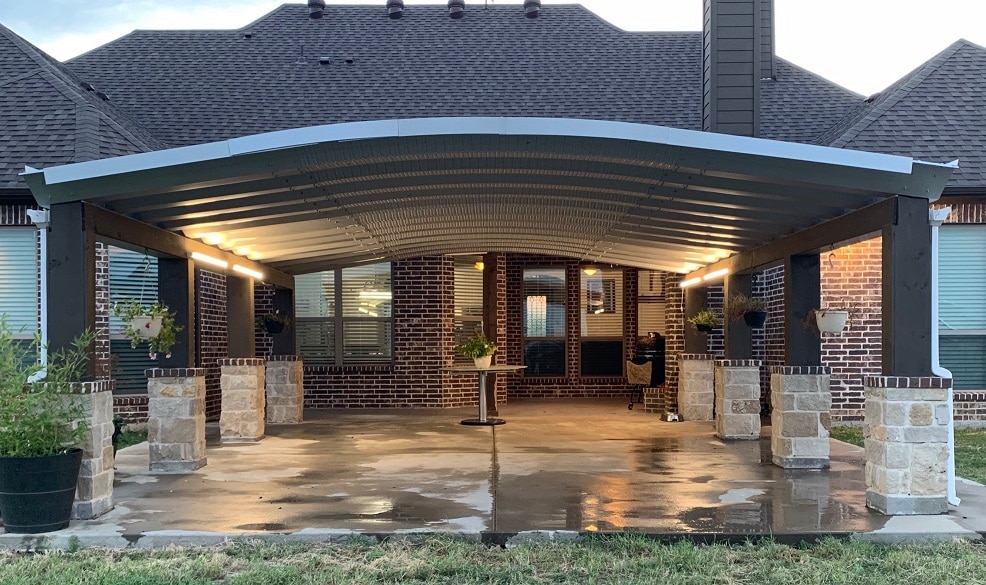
[{"x": 864, "y": 45}]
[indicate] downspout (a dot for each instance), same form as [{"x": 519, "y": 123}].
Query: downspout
[
  {"x": 42, "y": 218},
  {"x": 937, "y": 218}
]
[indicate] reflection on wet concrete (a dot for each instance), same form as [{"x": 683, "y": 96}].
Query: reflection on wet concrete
[{"x": 574, "y": 465}]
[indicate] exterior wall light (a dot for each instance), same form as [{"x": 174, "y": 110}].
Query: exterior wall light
[
  {"x": 716, "y": 274},
  {"x": 480, "y": 265},
  {"x": 590, "y": 270},
  {"x": 248, "y": 272},
  {"x": 200, "y": 257},
  {"x": 689, "y": 282}
]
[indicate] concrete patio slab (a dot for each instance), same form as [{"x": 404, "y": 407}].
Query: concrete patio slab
[{"x": 557, "y": 468}]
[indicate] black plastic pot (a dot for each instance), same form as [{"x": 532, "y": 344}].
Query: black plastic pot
[
  {"x": 36, "y": 493},
  {"x": 755, "y": 319},
  {"x": 273, "y": 327},
  {"x": 703, "y": 328}
]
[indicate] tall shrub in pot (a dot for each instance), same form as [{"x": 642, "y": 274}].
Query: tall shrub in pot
[{"x": 41, "y": 428}]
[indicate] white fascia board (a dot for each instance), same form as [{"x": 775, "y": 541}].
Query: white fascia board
[{"x": 122, "y": 165}]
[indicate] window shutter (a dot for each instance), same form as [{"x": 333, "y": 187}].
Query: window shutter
[
  {"x": 962, "y": 277},
  {"x": 19, "y": 279}
]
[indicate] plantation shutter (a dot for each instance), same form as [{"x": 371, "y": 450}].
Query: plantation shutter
[
  {"x": 962, "y": 277},
  {"x": 314, "y": 298},
  {"x": 19, "y": 280}
]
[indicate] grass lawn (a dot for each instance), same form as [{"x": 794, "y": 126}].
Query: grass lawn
[
  {"x": 970, "y": 450},
  {"x": 623, "y": 559}
]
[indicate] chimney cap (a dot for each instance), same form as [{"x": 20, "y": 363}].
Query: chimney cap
[
  {"x": 456, "y": 9},
  {"x": 316, "y": 8},
  {"x": 532, "y": 8},
  {"x": 395, "y": 8}
]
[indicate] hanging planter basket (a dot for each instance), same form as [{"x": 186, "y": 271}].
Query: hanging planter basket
[
  {"x": 829, "y": 321},
  {"x": 755, "y": 319},
  {"x": 146, "y": 326},
  {"x": 273, "y": 327},
  {"x": 703, "y": 328}
]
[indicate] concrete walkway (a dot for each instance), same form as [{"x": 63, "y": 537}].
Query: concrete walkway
[{"x": 569, "y": 466}]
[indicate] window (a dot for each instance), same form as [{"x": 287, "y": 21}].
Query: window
[
  {"x": 352, "y": 305},
  {"x": 650, "y": 303},
  {"x": 468, "y": 299},
  {"x": 962, "y": 304},
  {"x": 544, "y": 321},
  {"x": 19, "y": 280},
  {"x": 602, "y": 322},
  {"x": 132, "y": 276}
]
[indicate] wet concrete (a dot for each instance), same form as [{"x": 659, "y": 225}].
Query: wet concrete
[{"x": 581, "y": 466}]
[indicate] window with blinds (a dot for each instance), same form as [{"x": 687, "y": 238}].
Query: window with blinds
[
  {"x": 132, "y": 276},
  {"x": 650, "y": 303},
  {"x": 962, "y": 304},
  {"x": 601, "y": 321},
  {"x": 19, "y": 280},
  {"x": 468, "y": 285},
  {"x": 348, "y": 310},
  {"x": 544, "y": 315}
]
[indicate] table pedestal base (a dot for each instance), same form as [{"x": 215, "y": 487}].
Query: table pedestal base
[{"x": 489, "y": 422}]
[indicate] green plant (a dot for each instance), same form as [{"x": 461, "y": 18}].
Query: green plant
[
  {"x": 706, "y": 317},
  {"x": 739, "y": 304},
  {"x": 476, "y": 346},
  {"x": 40, "y": 418},
  {"x": 275, "y": 318},
  {"x": 162, "y": 342}
]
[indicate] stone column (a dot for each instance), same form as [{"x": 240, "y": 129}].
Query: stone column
[
  {"x": 285, "y": 389},
  {"x": 737, "y": 399},
  {"x": 800, "y": 401},
  {"x": 696, "y": 386},
  {"x": 242, "y": 416},
  {"x": 176, "y": 419},
  {"x": 94, "y": 495},
  {"x": 906, "y": 437}
]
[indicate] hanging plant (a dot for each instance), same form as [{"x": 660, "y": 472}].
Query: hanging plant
[
  {"x": 705, "y": 320},
  {"x": 753, "y": 310},
  {"x": 273, "y": 323},
  {"x": 834, "y": 317},
  {"x": 154, "y": 324}
]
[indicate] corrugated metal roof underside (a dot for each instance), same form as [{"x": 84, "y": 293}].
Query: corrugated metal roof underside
[{"x": 301, "y": 205}]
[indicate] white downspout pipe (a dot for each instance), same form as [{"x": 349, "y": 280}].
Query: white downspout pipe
[
  {"x": 937, "y": 218},
  {"x": 42, "y": 218}
]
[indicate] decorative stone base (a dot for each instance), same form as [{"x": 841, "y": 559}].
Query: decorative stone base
[
  {"x": 800, "y": 401},
  {"x": 176, "y": 419},
  {"x": 177, "y": 466},
  {"x": 906, "y": 438},
  {"x": 94, "y": 494},
  {"x": 90, "y": 509},
  {"x": 737, "y": 399},
  {"x": 285, "y": 389},
  {"x": 696, "y": 387},
  {"x": 800, "y": 462},
  {"x": 242, "y": 417}
]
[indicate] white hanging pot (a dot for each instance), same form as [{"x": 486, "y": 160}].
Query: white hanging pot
[
  {"x": 483, "y": 363},
  {"x": 829, "y": 321},
  {"x": 147, "y": 327}
]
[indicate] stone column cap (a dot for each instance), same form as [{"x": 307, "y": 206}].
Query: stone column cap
[
  {"x": 906, "y": 382},
  {"x": 285, "y": 358},
  {"x": 241, "y": 361},
  {"x": 697, "y": 356},
  {"x": 175, "y": 372},
  {"x": 801, "y": 370},
  {"x": 739, "y": 363}
]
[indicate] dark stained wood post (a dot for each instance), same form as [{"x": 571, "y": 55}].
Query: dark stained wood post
[
  {"x": 285, "y": 341},
  {"x": 176, "y": 289},
  {"x": 696, "y": 297},
  {"x": 907, "y": 291},
  {"x": 802, "y": 293},
  {"x": 240, "y": 327},
  {"x": 737, "y": 334}
]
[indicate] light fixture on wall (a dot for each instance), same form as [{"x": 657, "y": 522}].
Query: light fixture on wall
[
  {"x": 690, "y": 282},
  {"x": 248, "y": 272},
  {"x": 200, "y": 257},
  {"x": 590, "y": 270},
  {"x": 480, "y": 265},
  {"x": 716, "y": 274}
]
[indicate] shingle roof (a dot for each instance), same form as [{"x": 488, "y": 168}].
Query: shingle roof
[
  {"x": 48, "y": 118},
  {"x": 197, "y": 86},
  {"x": 935, "y": 113}
]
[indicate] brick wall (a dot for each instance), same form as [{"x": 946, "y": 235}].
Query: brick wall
[
  {"x": 130, "y": 407},
  {"x": 768, "y": 343},
  {"x": 674, "y": 341},
  {"x": 103, "y": 310},
  {"x": 211, "y": 343}
]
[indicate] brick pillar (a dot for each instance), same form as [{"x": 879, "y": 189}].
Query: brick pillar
[
  {"x": 285, "y": 389},
  {"x": 654, "y": 400},
  {"x": 696, "y": 386},
  {"x": 737, "y": 399},
  {"x": 94, "y": 495},
  {"x": 801, "y": 400},
  {"x": 906, "y": 437},
  {"x": 176, "y": 419},
  {"x": 242, "y": 383}
]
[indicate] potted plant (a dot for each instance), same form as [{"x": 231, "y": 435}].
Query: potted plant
[
  {"x": 479, "y": 349},
  {"x": 833, "y": 317},
  {"x": 753, "y": 310},
  {"x": 705, "y": 320},
  {"x": 41, "y": 428},
  {"x": 154, "y": 324},
  {"x": 273, "y": 323}
]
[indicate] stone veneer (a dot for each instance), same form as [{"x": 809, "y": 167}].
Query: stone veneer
[
  {"x": 243, "y": 413},
  {"x": 285, "y": 389},
  {"x": 94, "y": 495},
  {"x": 906, "y": 438},
  {"x": 176, "y": 419},
  {"x": 800, "y": 400},
  {"x": 737, "y": 389},
  {"x": 696, "y": 386}
]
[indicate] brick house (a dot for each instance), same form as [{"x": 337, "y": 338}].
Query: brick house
[{"x": 377, "y": 334}]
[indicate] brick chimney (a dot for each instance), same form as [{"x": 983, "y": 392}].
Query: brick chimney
[{"x": 737, "y": 52}]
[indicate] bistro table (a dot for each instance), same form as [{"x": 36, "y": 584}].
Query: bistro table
[{"x": 481, "y": 373}]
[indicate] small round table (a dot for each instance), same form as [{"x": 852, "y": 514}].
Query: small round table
[{"x": 483, "y": 420}]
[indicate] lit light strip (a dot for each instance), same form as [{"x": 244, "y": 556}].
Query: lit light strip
[
  {"x": 716, "y": 274},
  {"x": 209, "y": 260},
  {"x": 248, "y": 272},
  {"x": 689, "y": 282}
]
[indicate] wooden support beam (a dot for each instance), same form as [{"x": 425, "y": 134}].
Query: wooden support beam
[
  {"x": 802, "y": 293},
  {"x": 240, "y": 327},
  {"x": 176, "y": 289},
  {"x": 71, "y": 277},
  {"x": 737, "y": 334},
  {"x": 696, "y": 298},
  {"x": 285, "y": 341}
]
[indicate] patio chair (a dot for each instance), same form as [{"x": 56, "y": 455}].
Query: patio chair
[{"x": 638, "y": 375}]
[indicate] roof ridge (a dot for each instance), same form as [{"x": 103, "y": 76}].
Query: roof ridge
[{"x": 890, "y": 97}]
